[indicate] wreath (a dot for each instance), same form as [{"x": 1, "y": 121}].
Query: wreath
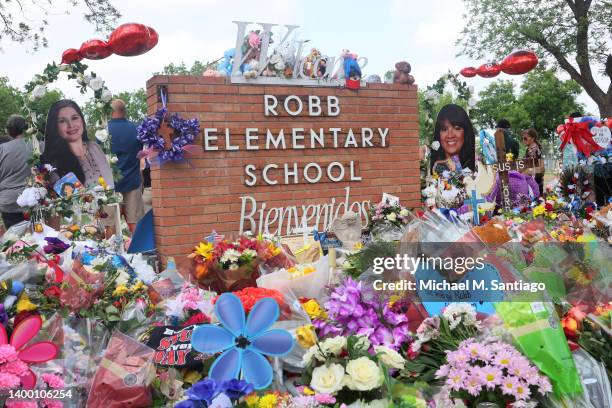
[{"x": 167, "y": 138}]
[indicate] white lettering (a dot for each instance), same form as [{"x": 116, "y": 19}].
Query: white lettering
[
  {"x": 270, "y": 103},
  {"x": 340, "y": 175},
  {"x": 366, "y": 140},
  {"x": 298, "y": 102},
  {"x": 383, "y": 136},
  {"x": 208, "y": 137},
  {"x": 228, "y": 144},
  {"x": 314, "y": 102},
  {"x": 248, "y": 169},
  {"x": 275, "y": 142},
  {"x": 350, "y": 139},
  {"x": 319, "y": 173},
  {"x": 265, "y": 174},
  {"x": 297, "y": 134},
  {"x": 333, "y": 106}
]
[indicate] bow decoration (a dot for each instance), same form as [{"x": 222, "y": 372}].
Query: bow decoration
[{"x": 580, "y": 135}]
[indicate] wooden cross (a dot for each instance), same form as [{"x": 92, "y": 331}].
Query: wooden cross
[
  {"x": 167, "y": 132},
  {"x": 502, "y": 167}
]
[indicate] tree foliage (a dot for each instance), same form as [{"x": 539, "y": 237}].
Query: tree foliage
[
  {"x": 25, "y": 21},
  {"x": 11, "y": 102},
  {"x": 135, "y": 106},
  {"x": 560, "y": 31},
  {"x": 543, "y": 102},
  {"x": 197, "y": 68}
]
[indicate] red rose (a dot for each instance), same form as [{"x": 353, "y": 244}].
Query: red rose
[
  {"x": 548, "y": 206},
  {"x": 198, "y": 318},
  {"x": 53, "y": 292}
]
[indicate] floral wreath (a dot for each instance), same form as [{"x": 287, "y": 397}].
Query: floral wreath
[
  {"x": 38, "y": 199},
  {"x": 185, "y": 131}
]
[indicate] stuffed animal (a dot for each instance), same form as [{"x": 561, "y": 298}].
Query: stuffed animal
[
  {"x": 250, "y": 69},
  {"x": 402, "y": 73},
  {"x": 352, "y": 70},
  {"x": 225, "y": 65}
]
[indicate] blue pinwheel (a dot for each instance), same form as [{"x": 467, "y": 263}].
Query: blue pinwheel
[{"x": 243, "y": 343}]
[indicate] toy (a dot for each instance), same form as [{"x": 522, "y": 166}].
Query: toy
[{"x": 402, "y": 73}]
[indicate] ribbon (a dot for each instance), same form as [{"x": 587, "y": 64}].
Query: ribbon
[
  {"x": 319, "y": 236},
  {"x": 580, "y": 135}
]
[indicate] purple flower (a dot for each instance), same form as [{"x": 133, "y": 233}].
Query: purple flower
[
  {"x": 235, "y": 389},
  {"x": 55, "y": 246},
  {"x": 3, "y": 315},
  {"x": 204, "y": 390}
]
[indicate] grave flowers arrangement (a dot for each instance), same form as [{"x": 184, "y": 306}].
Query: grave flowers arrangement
[
  {"x": 191, "y": 305},
  {"x": 387, "y": 218},
  {"x": 353, "y": 309},
  {"x": 350, "y": 369},
  {"x": 221, "y": 264},
  {"x": 435, "y": 336},
  {"x": 490, "y": 371}
]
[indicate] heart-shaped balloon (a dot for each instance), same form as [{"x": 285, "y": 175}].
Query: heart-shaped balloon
[
  {"x": 132, "y": 39},
  {"x": 519, "y": 62},
  {"x": 468, "y": 72},
  {"x": 489, "y": 70},
  {"x": 71, "y": 55},
  {"x": 95, "y": 49}
]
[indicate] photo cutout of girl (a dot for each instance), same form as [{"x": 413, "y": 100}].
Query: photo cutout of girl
[{"x": 455, "y": 134}]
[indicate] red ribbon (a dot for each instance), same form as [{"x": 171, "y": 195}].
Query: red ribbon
[{"x": 580, "y": 135}]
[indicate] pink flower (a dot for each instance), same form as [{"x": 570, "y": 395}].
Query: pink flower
[
  {"x": 54, "y": 381},
  {"x": 21, "y": 404},
  {"x": 521, "y": 391},
  {"x": 489, "y": 376},
  {"x": 503, "y": 358},
  {"x": 455, "y": 380},
  {"x": 8, "y": 380},
  {"x": 473, "y": 385},
  {"x": 7, "y": 353},
  {"x": 508, "y": 385},
  {"x": 442, "y": 371},
  {"x": 520, "y": 367},
  {"x": 544, "y": 385},
  {"x": 16, "y": 367},
  {"x": 325, "y": 399}
]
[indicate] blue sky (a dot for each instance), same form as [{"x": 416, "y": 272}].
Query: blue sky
[{"x": 385, "y": 31}]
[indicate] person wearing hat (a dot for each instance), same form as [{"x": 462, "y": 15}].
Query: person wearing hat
[{"x": 512, "y": 146}]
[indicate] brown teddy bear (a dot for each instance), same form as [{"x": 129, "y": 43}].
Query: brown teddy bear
[{"x": 402, "y": 73}]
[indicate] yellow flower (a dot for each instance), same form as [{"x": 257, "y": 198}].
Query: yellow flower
[
  {"x": 267, "y": 401},
  {"x": 138, "y": 286},
  {"x": 252, "y": 400},
  {"x": 274, "y": 250},
  {"x": 306, "y": 336},
  {"x": 4, "y": 286},
  {"x": 102, "y": 182},
  {"x": 358, "y": 245},
  {"x": 192, "y": 377},
  {"x": 308, "y": 391},
  {"x": 539, "y": 210},
  {"x": 509, "y": 157},
  {"x": 120, "y": 290},
  {"x": 205, "y": 250},
  {"x": 24, "y": 304},
  {"x": 313, "y": 310}
]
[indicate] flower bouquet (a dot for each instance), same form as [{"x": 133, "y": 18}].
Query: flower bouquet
[
  {"x": 435, "y": 336},
  {"x": 350, "y": 369},
  {"x": 491, "y": 371},
  {"x": 227, "y": 266},
  {"x": 387, "y": 221}
]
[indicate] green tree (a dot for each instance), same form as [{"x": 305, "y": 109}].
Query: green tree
[
  {"x": 25, "y": 21},
  {"x": 135, "y": 105},
  {"x": 499, "y": 101},
  {"x": 197, "y": 68},
  {"x": 560, "y": 31},
  {"x": 548, "y": 100},
  {"x": 10, "y": 102}
]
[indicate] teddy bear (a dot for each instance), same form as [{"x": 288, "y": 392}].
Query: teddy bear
[{"x": 402, "y": 73}]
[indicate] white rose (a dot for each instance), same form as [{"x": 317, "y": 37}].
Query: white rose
[
  {"x": 327, "y": 380},
  {"x": 431, "y": 95},
  {"x": 123, "y": 278},
  {"x": 106, "y": 95},
  {"x": 363, "y": 375},
  {"x": 334, "y": 345},
  {"x": 39, "y": 91},
  {"x": 96, "y": 83},
  {"x": 102, "y": 135},
  {"x": 99, "y": 105},
  {"x": 392, "y": 217},
  {"x": 311, "y": 353},
  {"x": 435, "y": 145},
  {"x": 362, "y": 343},
  {"x": 114, "y": 160},
  {"x": 404, "y": 212},
  {"x": 389, "y": 357}
]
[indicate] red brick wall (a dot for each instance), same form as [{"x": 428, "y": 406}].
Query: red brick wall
[{"x": 191, "y": 199}]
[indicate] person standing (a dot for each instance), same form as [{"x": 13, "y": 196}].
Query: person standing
[
  {"x": 512, "y": 146},
  {"x": 125, "y": 145},
  {"x": 14, "y": 170},
  {"x": 534, "y": 151}
]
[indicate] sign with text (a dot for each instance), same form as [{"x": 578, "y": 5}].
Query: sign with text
[{"x": 282, "y": 159}]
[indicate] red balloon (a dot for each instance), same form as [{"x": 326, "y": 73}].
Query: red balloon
[
  {"x": 132, "y": 39},
  {"x": 468, "y": 72},
  {"x": 519, "y": 62},
  {"x": 70, "y": 56},
  {"x": 95, "y": 49},
  {"x": 153, "y": 38},
  {"x": 489, "y": 70}
]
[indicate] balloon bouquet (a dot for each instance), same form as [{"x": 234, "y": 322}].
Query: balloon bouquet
[{"x": 517, "y": 63}]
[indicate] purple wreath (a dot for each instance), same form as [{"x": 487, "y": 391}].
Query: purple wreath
[{"x": 187, "y": 130}]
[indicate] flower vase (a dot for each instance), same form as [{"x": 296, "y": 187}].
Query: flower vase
[
  {"x": 487, "y": 405},
  {"x": 236, "y": 279},
  {"x": 387, "y": 232}
]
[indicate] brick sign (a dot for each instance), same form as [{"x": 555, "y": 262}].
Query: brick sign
[{"x": 276, "y": 159}]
